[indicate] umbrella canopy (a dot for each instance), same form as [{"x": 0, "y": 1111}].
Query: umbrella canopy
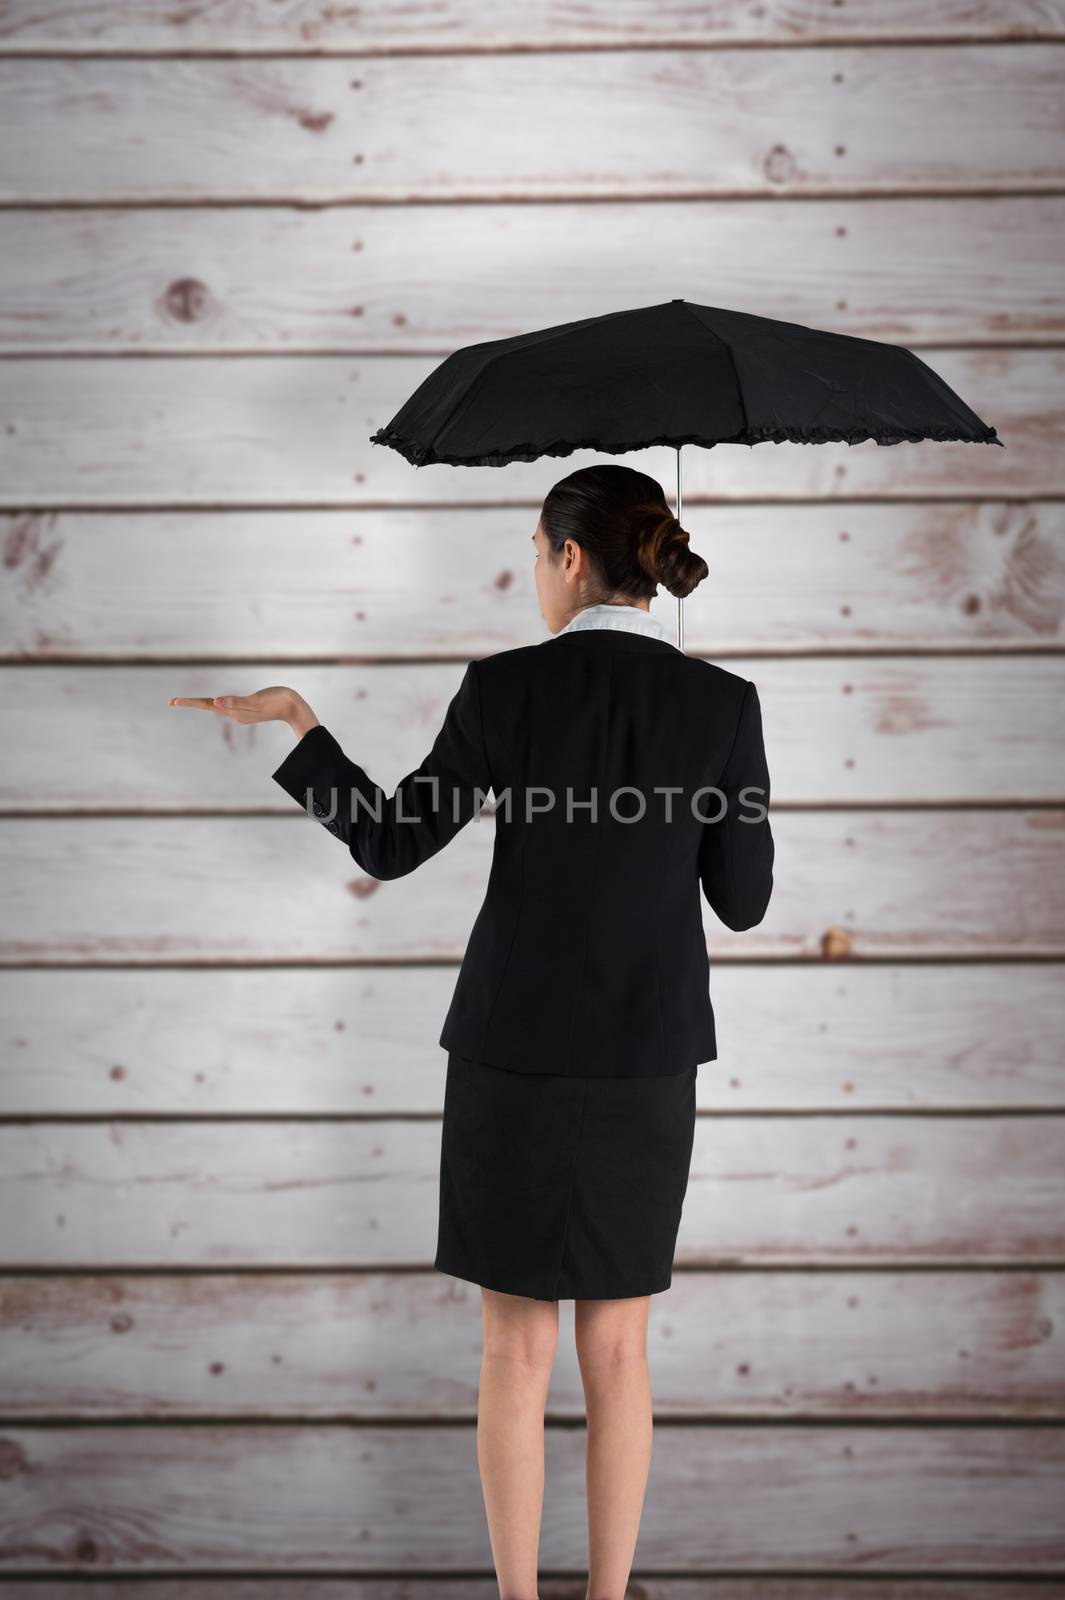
[{"x": 672, "y": 374}]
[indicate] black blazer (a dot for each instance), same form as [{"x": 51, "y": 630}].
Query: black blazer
[{"x": 588, "y": 954}]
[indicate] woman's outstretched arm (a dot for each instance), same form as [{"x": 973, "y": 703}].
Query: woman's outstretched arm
[{"x": 390, "y": 835}]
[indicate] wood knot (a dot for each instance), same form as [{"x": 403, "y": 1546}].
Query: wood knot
[
  {"x": 86, "y": 1550},
  {"x": 13, "y": 1460},
  {"x": 779, "y": 165},
  {"x": 314, "y": 121},
  {"x": 186, "y": 300},
  {"x": 836, "y": 944}
]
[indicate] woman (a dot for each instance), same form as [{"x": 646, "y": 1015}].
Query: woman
[{"x": 629, "y": 780}]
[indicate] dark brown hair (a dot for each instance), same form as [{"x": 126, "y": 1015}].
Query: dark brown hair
[{"x": 620, "y": 517}]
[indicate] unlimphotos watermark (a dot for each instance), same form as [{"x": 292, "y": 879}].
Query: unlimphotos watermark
[{"x": 541, "y": 800}]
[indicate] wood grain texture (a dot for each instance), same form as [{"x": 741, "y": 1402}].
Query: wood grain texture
[
  {"x": 322, "y": 1041},
  {"x": 289, "y": 431},
  {"x": 381, "y": 280},
  {"x": 986, "y": 1346},
  {"x": 216, "y": 1296},
  {"x": 919, "y": 730},
  {"x": 943, "y": 1499},
  {"x": 314, "y": 27},
  {"x": 888, "y": 882},
  {"x": 565, "y": 125},
  {"x": 380, "y": 584},
  {"x": 764, "y": 1190}
]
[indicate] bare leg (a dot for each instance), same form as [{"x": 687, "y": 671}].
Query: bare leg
[
  {"x": 520, "y": 1340},
  {"x": 612, "y": 1351}
]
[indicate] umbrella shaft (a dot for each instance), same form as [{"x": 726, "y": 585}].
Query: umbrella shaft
[{"x": 680, "y": 515}]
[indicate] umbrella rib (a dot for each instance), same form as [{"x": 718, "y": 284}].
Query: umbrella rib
[
  {"x": 735, "y": 370},
  {"x": 537, "y": 338}
]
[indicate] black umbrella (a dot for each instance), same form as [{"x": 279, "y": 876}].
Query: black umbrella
[{"x": 672, "y": 374}]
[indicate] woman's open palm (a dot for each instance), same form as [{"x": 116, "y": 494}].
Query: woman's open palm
[{"x": 275, "y": 704}]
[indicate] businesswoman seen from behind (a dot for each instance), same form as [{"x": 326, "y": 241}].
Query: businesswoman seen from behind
[{"x": 630, "y": 783}]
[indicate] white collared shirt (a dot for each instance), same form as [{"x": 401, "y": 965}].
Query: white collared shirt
[{"x": 628, "y": 618}]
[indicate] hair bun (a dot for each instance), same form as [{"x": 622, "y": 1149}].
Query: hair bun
[{"x": 664, "y": 554}]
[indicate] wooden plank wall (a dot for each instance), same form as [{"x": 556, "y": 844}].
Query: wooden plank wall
[{"x": 233, "y": 237}]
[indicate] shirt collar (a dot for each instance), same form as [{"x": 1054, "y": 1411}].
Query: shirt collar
[{"x": 631, "y": 619}]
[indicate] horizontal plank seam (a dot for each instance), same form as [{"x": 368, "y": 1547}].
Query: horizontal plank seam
[
  {"x": 215, "y": 1420},
  {"x": 253, "y": 813},
  {"x": 1000, "y": 956},
  {"x": 112, "y": 508},
  {"x": 749, "y": 1267},
  {"x": 297, "y": 200},
  {"x": 816, "y": 39},
  {"x": 1006, "y": 342},
  {"x": 414, "y": 1578},
  {"x": 103, "y": 1118}
]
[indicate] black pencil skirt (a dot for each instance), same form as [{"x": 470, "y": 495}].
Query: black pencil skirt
[{"x": 562, "y": 1187}]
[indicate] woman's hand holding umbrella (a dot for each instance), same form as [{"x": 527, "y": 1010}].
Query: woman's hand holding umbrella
[{"x": 275, "y": 704}]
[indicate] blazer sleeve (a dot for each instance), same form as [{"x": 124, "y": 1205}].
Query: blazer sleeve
[
  {"x": 736, "y": 852},
  {"x": 391, "y": 835}
]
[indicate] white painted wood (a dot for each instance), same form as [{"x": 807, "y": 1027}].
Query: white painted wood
[
  {"x": 345, "y": 310},
  {"x": 444, "y": 581},
  {"x": 868, "y": 882},
  {"x": 945, "y": 1499},
  {"x": 310, "y": 27},
  {"x": 295, "y": 431},
  {"x": 763, "y": 1190},
  {"x": 372, "y": 279},
  {"x": 564, "y": 125},
  {"x": 222, "y": 1041},
  {"x": 917, "y": 729},
  {"x": 370, "y": 1346}
]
